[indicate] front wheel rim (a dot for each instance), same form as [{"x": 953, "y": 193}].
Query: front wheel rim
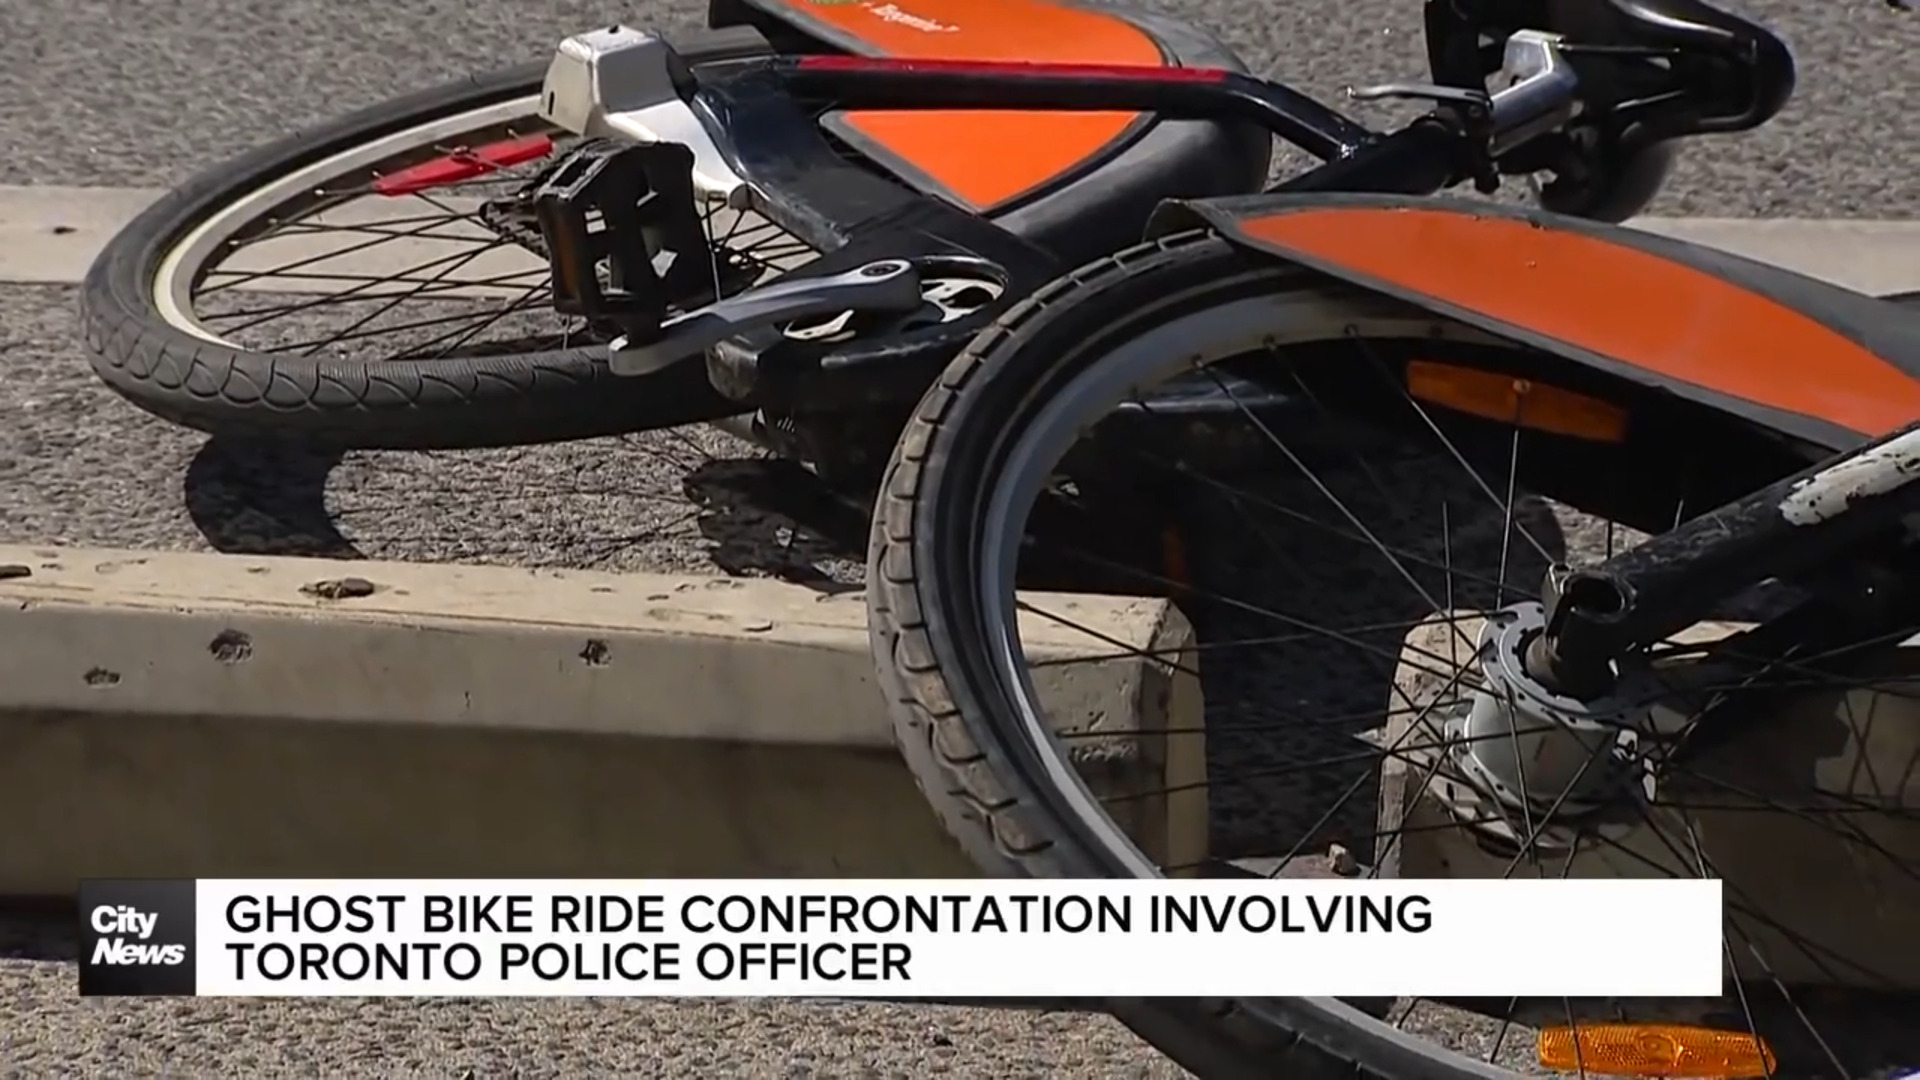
[
  {"x": 1022, "y": 469},
  {"x": 351, "y": 252}
]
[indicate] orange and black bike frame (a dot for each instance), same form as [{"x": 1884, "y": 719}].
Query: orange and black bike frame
[
  {"x": 843, "y": 208},
  {"x": 1351, "y": 218},
  {"x": 1422, "y": 158},
  {"x": 851, "y": 214}
]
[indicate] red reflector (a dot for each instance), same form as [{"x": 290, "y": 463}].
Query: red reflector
[
  {"x": 1012, "y": 69},
  {"x": 463, "y": 164}
]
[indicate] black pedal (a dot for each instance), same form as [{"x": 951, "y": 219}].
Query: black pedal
[{"x": 625, "y": 239}]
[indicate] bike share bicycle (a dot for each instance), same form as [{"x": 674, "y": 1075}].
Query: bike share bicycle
[
  {"x": 416, "y": 309},
  {"x": 1486, "y": 396},
  {"x": 1653, "y": 384},
  {"x": 380, "y": 281}
]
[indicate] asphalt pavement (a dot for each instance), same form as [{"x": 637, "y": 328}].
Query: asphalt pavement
[{"x": 112, "y": 93}]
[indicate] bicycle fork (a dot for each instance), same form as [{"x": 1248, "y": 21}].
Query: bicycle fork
[
  {"x": 1595, "y": 615},
  {"x": 1571, "y": 713}
]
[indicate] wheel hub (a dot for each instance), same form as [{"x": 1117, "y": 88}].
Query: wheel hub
[{"x": 1524, "y": 756}]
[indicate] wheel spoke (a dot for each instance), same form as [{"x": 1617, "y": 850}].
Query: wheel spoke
[
  {"x": 361, "y": 251},
  {"x": 1321, "y": 574}
]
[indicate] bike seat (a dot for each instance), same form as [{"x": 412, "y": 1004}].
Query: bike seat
[
  {"x": 1687, "y": 24},
  {"x": 1761, "y": 76},
  {"x": 1069, "y": 182}
]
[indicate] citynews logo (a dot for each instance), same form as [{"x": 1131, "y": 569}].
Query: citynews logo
[
  {"x": 136, "y": 938},
  {"x": 130, "y": 945}
]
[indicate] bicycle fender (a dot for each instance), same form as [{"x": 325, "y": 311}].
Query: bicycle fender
[{"x": 1810, "y": 360}]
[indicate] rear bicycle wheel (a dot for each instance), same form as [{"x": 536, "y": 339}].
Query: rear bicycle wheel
[
  {"x": 1342, "y": 580},
  {"x": 344, "y": 287}
]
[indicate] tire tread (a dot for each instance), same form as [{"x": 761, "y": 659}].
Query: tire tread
[
  {"x": 997, "y": 824},
  {"x": 433, "y": 404}
]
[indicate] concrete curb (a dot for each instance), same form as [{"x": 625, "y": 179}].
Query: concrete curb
[
  {"x": 49, "y": 235},
  {"x": 212, "y": 715}
]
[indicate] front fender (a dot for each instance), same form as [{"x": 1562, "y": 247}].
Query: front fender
[{"x": 1813, "y": 361}]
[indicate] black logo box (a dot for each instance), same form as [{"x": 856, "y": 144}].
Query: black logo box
[{"x": 106, "y": 903}]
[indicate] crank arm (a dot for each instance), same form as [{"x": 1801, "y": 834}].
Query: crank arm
[{"x": 888, "y": 285}]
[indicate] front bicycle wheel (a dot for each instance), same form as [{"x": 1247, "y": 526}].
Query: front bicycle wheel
[
  {"x": 1347, "y": 567},
  {"x": 376, "y": 283}
]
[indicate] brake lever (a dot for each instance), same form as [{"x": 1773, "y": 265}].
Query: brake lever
[
  {"x": 1471, "y": 109},
  {"x": 887, "y": 285},
  {"x": 1451, "y": 95}
]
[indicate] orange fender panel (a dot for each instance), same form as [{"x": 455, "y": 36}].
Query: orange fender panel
[
  {"x": 1615, "y": 301},
  {"x": 988, "y": 158}
]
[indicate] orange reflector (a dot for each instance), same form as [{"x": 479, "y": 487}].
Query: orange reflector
[
  {"x": 1517, "y": 401},
  {"x": 1662, "y": 1050}
]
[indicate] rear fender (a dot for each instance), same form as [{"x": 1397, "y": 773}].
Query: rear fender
[{"x": 1782, "y": 350}]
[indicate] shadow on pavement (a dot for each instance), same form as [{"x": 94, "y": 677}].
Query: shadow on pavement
[
  {"x": 774, "y": 518},
  {"x": 264, "y": 498}
]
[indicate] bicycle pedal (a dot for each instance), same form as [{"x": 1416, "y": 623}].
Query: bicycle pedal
[{"x": 629, "y": 209}]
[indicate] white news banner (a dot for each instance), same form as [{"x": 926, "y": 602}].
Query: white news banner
[{"x": 947, "y": 939}]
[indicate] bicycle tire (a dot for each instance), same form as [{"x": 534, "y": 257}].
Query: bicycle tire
[
  {"x": 954, "y": 717},
  {"x": 992, "y": 805},
  {"x": 452, "y": 403}
]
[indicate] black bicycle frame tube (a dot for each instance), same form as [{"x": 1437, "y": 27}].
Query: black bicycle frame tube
[
  {"x": 1426, "y": 156},
  {"x": 1674, "y": 580},
  {"x": 857, "y": 82}
]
